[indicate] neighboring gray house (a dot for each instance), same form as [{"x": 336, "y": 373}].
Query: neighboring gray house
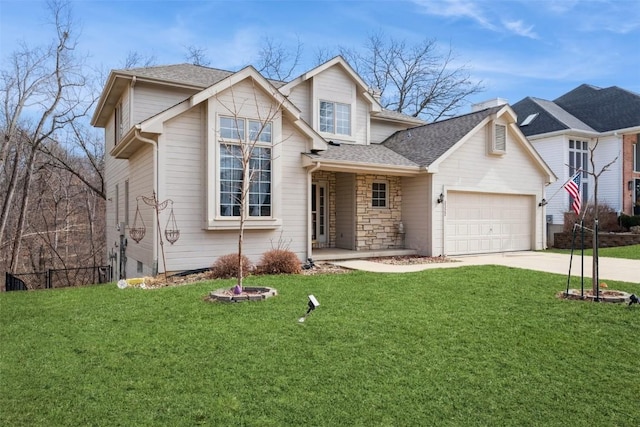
[
  {"x": 337, "y": 170},
  {"x": 564, "y": 131}
]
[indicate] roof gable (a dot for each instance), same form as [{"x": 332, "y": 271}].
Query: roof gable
[
  {"x": 338, "y": 61},
  {"x": 426, "y": 144}
]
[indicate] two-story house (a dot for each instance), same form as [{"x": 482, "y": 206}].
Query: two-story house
[
  {"x": 330, "y": 168},
  {"x": 566, "y": 130}
]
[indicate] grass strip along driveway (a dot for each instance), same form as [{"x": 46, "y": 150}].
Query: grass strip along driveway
[
  {"x": 626, "y": 252},
  {"x": 484, "y": 345}
]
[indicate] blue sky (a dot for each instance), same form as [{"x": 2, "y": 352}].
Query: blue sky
[{"x": 517, "y": 48}]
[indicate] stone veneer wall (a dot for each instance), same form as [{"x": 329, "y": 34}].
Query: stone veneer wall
[
  {"x": 328, "y": 178},
  {"x": 378, "y": 228}
]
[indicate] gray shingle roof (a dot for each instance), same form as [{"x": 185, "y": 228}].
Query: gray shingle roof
[
  {"x": 551, "y": 117},
  {"x": 586, "y": 108},
  {"x": 604, "y": 109},
  {"x": 374, "y": 154},
  {"x": 185, "y": 74},
  {"x": 426, "y": 144}
]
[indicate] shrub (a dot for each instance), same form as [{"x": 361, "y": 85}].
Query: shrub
[
  {"x": 226, "y": 267},
  {"x": 279, "y": 261},
  {"x": 607, "y": 218},
  {"x": 628, "y": 221}
]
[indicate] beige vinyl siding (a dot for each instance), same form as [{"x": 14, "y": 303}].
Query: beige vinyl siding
[
  {"x": 335, "y": 85},
  {"x": 301, "y": 97},
  {"x": 139, "y": 172},
  {"x": 469, "y": 168},
  {"x": 417, "y": 208},
  {"x": 345, "y": 210},
  {"x": 151, "y": 100},
  {"x": 184, "y": 171},
  {"x": 125, "y": 104},
  {"x": 381, "y": 130},
  {"x": 294, "y": 192}
]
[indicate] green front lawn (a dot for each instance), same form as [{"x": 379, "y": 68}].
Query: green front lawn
[
  {"x": 628, "y": 252},
  {"x": 467, "y": 346}
]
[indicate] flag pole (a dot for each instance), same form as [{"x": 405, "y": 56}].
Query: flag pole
[{"x": 562, "y": 186}]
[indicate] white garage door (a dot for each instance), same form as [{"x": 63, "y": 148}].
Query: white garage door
[{"x": 483, "y": 223}]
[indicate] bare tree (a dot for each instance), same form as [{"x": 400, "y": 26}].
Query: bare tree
[
  {"x": 197, "y": 56},
  {"x": 277, "y": 62},
  {"x": 137, "y": 59},
  {"x": 415, "y": 80},
  {"x": 596, "y": 176},
  {"x": 43, "y": 91},
  {"x": 247, "y": 146}
]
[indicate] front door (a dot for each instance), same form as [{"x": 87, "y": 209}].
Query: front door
[{"x": 319, "y": 214}]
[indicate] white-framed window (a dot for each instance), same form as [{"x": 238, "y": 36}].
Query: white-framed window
[
  {"x": 379, "y": 194},
  {"x": 579, "y": 159},
  {"x": 335, "y": 118},
  {"x": 238, "y": 134}
]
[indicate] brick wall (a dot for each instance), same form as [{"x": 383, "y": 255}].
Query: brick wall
[
  {"x": 628, "y": 174},
  {"x": 605, "y": 240}
]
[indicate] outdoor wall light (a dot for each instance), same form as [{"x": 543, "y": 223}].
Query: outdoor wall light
[
  {"x": 440, "y": 198},
  {"x": 543, "y": 202},
  {"x": 313, "y": 303}
]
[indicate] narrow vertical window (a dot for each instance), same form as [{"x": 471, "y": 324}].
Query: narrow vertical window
[
  {"x": 126, "y": 202},
  {"x": 117, "y": 131},
  {"x": 117, "y": 205},
  {"x": 579, "y": 160}
]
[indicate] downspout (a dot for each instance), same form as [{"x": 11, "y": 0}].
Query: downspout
[
  {"x": 156, "y": 164},
  {"x": 309, "y": 183}
]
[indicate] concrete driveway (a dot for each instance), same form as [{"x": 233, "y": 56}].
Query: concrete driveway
[{"x": 623, "y": 270}]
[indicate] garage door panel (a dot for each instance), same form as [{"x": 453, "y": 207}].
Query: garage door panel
[{"x": 485, "y": 222}]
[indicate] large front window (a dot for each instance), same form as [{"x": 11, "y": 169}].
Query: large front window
[
  {"x": 335, "y": 118},
  {"x": 579, "y": 160},
  {"x": 254, "y": 138}
]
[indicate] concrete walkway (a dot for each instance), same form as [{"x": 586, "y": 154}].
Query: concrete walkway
[{"x": 623, "y": 270}]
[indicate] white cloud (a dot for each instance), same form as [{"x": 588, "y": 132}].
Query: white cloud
[
  {"x": 457, "y": 9},
  {"x": 519, "y": 28}
]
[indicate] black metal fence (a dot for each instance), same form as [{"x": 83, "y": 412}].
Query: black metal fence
[{"x": 58, "y": 278}]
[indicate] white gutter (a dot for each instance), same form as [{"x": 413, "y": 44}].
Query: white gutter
[{"x": 155, "y": 189}]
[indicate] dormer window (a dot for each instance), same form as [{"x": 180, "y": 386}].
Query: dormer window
[{"x": 335, "y": 118}]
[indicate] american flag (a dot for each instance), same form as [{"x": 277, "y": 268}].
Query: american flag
[{"x": 573, "y": 188}]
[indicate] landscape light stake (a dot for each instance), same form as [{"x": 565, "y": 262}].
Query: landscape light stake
[{"x": 313, "y": 303}]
